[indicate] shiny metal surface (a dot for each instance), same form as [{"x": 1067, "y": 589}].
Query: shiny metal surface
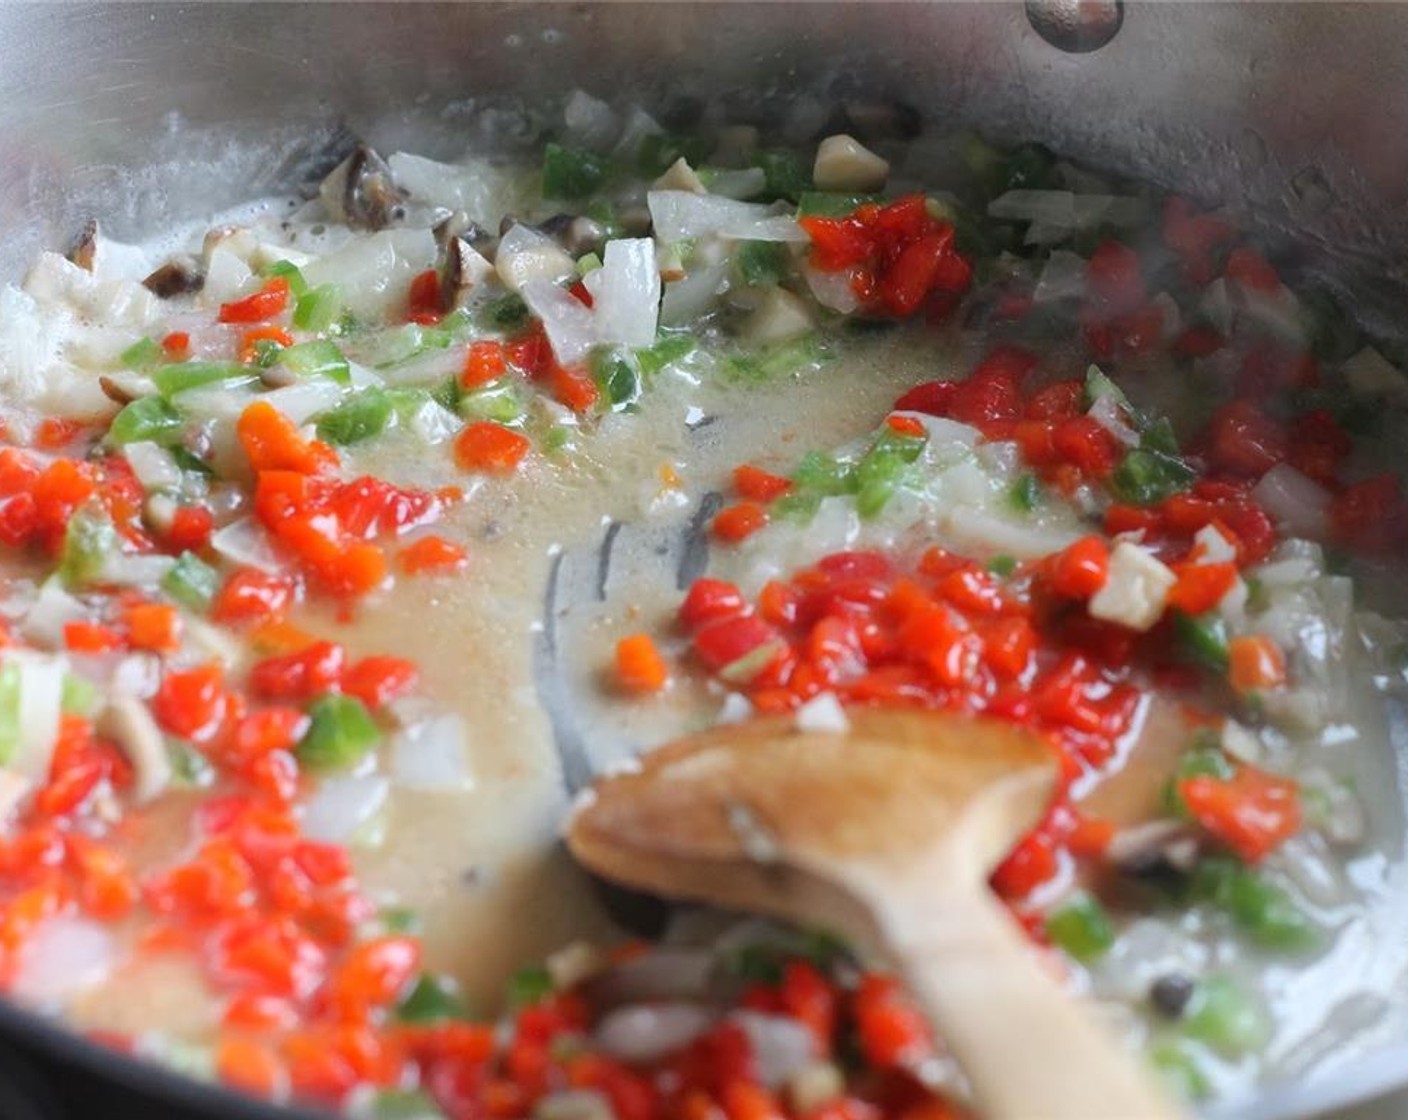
[{"x": 1295, "y": 116}]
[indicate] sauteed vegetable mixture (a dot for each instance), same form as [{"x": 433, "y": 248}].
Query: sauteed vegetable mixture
[{"x": 959, "y": 427}]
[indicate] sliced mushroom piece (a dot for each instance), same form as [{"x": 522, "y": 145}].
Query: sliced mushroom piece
[
  {"x": 463, "y": 270},
  {"x": 124, "y": 388},
  {"x": 362, "y": 191},
  {"x": 844, "y": 164},
  {"x": 84, "y": 250},
  {"x": 1156, "y": 849},
  {"x": 576, "y": 233},
  {"x": 459, "y": 224},
  {"x": 130, "y": 724},
  {"x": 780, "y": 317},
  {"x": 679, "y": 176},
  {"x": 524, "y": 254},
  {"x": 177, "y": 277}
]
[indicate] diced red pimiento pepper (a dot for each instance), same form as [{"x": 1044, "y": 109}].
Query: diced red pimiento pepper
[
  {"x": 155, "y": 627},
  {"x": 378, "y": 680},
  {"x": 1318, "y": 445},
  {"x": 738, "y": 522},
  {"x": 757, "y": 485},
  {"x": 1195, "y": 239},
  {"x": 433, "y": 555},
  {"x": 491, "y": 448},
  {"x": 190, "y": 530},
  {"x": 709, "y": 600},
  {"x": 272, "y": 443},
  {"x": 425, "y": 299},
  {"x": 485, "y": 361},
  {"x": 1115, "y": 280},
  {"x": 177, "y": 345},
  {"x": 192, "y": 703},
  {"x": 252, "y": 595},
  {"x": 373, "y": 975},
  {"x": 1255, "y": 664},
  {"x": 1250, "y": 269},
  {"x": 300, "y": 676},
  {"x": 249, "y": 341},
  {"x": 640, "y": 667},
  {"x": 898, "y": 256},
  {"x": 933, "y": 397},
  {"x": 264, "y": 304},
  {"x": 1201, "y": 587},
  {"x": 1081, "y": 569},
  {"x": 1252, "y": 812},
  {"x": 91, "y": 637},
  {"x": 891, "y": 1030},
  {"x": 573, "y": 386},
  {"x": 1245, "y": 441},
  {"x": 1372, "y": 514},
  {"x": 729, "y": 644}
]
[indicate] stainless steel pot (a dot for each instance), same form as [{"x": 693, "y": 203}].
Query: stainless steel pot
[{"x": 1293, "y": 115}]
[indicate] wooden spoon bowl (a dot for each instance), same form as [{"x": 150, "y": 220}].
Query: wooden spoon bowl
[{"x": 886, "y": 834}]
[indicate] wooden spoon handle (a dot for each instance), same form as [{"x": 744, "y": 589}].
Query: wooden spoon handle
[{"x": 1030, "y": 1050}]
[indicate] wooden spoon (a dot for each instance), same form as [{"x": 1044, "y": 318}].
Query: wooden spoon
[{"x": 885, "y": 834}]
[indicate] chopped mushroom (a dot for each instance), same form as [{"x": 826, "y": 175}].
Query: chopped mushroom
[
  {"x": 679, "y": 176},
  {"x": 124, "y": 388},
  {"x": 844, "y": 164},
  {"x": 84, "y": 250},
  {"x": 362, "y": 192},
  {"x": 177, "y": 277},
  {"x": 576, "y": 233},
  {"x": 780, "y": 317},
  {"x": 1152, "y": 849},
  {"x": 130, "y": 724}
]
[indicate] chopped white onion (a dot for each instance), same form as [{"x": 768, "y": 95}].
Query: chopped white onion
[
  {"x": 245, "y": 542},
  {"x": 628, "y": 293},
  {"x": 736, "y": 708},
  {"x": 1062, "y": 277},
  {"x": 434, "y": 423},
  {"x": 591, "y": 122},
  {"x": 781, "y": 1045},
  {"x": 570, "y": 325},
  {"x": 1211, "y": 547},
  {"x": 822, "y": 713},
  {"x": 1053, "y": 208},
  {"x": 1023, "y": 540},
  {"x": 525, "y": 254},
  {"x": 431, "y": 755},
  {"x": 53, "y": 606},
  {"x": 1107, "y": 413},
  {"x": 132, "y": 569},
  {"x": 744, "y": 183},
  {"x": 697, "y": 294},
  {"x": 374, "y": 271},
  {"x": 227, "y": 277},
  {"x": 301, "y": 402},
  {"x": 832, "y": 289},
  {"x": 681, "y": 215},
  {"x": 342, "y": 806},
  {"x": 41, "y": 686},
  {"x": 646, "y": 1032},
  {"x": 152, "y": 464},
  {"x": 62, "y": 957},
  {"x": 1371, "y": 374},
  {"x": 1298, "y": 504},
  {"x": 945, "y": 434}
]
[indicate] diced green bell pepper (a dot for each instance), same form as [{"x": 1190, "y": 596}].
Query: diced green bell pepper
[
  {"x": 501, "y": 401},
  {"x": 142, "y": 354},
  {"x": 149, "y": 419},
  {"x": 320, "y": 358},
  {"x": 1026, "y": 493},
  {"x": 88, "y": 539},
  {"x": 616, "y": 377},
  {"x": 831, "y": 204},
  {"x": 191, "y": 582},
  {"x": 1202, "y": 639},
  {"x": 671, "y": 348},
  {"x": 297, "y": 285},
  {"x": 529, "y": 985},
  {"x": 760, "y": 263},
  {"x": 10, "y": 682},
  {"x": 786, "y": 173},
  {"x": 1226, "y": 1017},
  {"x": 184, "y": 376},
  {"x": 340, "y": 732},
  {"x": 404, "y": 1104},
  {"x": 1259, "y": 908},
  {"x": 1081, "y": 927},
  {"x": 80, "y": 696},
  {"x": 571, "y": 173},
  {"x": 432, "y": 1000},
  {"x": 361, "y": 417},
  {"x": 1177, "y": 1067},
  {"x": 318, "y": 308}
]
